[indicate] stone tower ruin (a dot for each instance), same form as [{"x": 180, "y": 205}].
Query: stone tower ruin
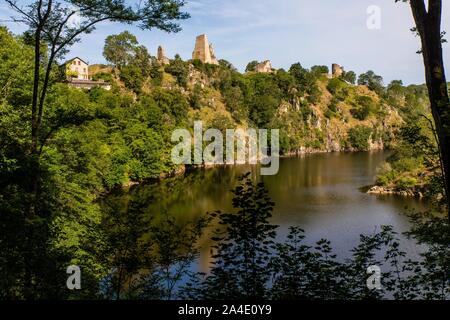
[
  {"x": 161, "y": 57},
  {"x": 204, "y": 51},
  {"x": 264, "y": 67},
  {"x": 337, "y": 70}
]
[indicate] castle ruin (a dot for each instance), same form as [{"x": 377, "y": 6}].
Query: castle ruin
[
  {"x": 337, "y": 70},
  {"x": 204, "y": 51},
  {"x": 264, "y": 67},
  {"x": 161, "y": 57}
]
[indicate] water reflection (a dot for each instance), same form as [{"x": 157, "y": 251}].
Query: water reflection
[{"x": 318, "y": 192}]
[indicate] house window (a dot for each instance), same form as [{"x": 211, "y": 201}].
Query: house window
[{"x": 79, "y": 63}]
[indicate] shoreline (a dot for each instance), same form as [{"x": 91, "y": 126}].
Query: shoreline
[
  {"x": 371, "y": 189},
  {"x": 380, "y": 190},
  {"x": 188, "y": 168}
]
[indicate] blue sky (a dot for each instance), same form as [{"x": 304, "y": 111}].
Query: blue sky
[{"x": 287, "y": 31}]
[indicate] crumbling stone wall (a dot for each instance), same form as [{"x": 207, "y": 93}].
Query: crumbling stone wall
[{"x": 203, "y": 51}]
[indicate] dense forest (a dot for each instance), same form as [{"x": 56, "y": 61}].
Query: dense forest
[{"x": 93, "y": 141}]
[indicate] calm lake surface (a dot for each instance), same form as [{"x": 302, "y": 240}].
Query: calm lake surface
[{"x": 319, "y": 192}]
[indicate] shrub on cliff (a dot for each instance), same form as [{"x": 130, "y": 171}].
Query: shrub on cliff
[
  {"x": 133, "y": 78},
  {"x": 363, "y": 108},
  {"x": 359, "y": 137},
  {"x": 180, "y": 70},
  {"x": 335, "y": 85}
]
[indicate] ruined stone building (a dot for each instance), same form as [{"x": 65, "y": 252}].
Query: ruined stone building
[
  {"x": 161, "y": 56},
  {"x": 264, "y": 67},
  {"x": 204, "y": 51},
  {"x": 337, "y": 70}
]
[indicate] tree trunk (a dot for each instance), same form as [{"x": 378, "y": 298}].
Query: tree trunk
[
  {"x": 34, "y": 102},
  {"x": 429, "y": 27}
]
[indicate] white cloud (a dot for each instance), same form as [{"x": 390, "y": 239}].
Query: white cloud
[
  {"x": 287, "y": 31},
  {"x": 75, "y": 20}
]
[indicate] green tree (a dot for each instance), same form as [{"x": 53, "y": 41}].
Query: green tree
[
  {"x": 335, "y": 85},
  {"x": 227, "y": 65},
  {"x": 264, "y": 97},
  {"x": 120, "y": 49},
  {"x": 179, "y": 69},
  {"x": 133, "y": 77},
  {"x": 395, "y": 91},
  {"x": 306, "y": 81},
  {"x": 320, "y": 70},
  {"x": 240, "y": 269},
  {"x": 246, "y": 257},
  {"x": 359, "y": 137},
  {"x": 373, "y": 81},
  {"x": 52, "y": 33},
  {"x": 142, "y": 60},
  {"x": 364, "y": 107},
  {"x": 251, "y": 66},
  {"x": 428, "y": 25},
  {"x": 49, "y": 23},
  {"x": 349, "y": 76}
]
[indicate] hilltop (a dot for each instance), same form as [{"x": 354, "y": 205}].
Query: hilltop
[
  {"x": 123, "y": 135},
  {"x": 314, "y": 112}
]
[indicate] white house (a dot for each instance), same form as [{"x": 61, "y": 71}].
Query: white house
[
  {"x": 77, "y": 68},
  {"x": 77, "y": 73}
]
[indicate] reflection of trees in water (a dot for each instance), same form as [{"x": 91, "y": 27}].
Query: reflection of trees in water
[
  {"x": 149, "y": 251},
  {"x": 186, "y": 198},
  {"x": 148, "y": 255},
  {"x": 248, "y": 263}
]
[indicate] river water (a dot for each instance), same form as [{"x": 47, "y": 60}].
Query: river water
[{"x": 319, "y": 192}]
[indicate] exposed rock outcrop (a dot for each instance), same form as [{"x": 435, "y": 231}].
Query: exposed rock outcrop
[{"x": 392, "y": 191}]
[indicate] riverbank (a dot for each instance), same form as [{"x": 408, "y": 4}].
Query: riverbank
[
  {"x": 319, "y": 192},
  {"x": 183, "y": 169},
  {"x": 380, "y": 190}
]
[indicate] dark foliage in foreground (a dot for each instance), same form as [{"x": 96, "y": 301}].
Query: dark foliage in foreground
[{"x": 249, "y": 264}]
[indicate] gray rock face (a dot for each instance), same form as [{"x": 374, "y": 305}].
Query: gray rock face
[{"x": 391, "y": 191}]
